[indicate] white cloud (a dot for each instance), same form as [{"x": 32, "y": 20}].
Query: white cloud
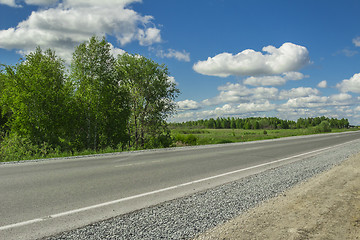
[
  {"x": 322, "y": 84},
  {"x": 262, "y": 93},
  {"x": 10, "y": 3},
  {"x": 265, "y": 81},
  {"x": 171, "y": 53},
  {"x": 340, "y": 97},
  {"x": 68, "y": 3},
  {"x": 289, "y": 57},
  {"x": 238, "y": 93},
  {"x": 274, "y": 80},
  {"x": 356, "y": 41},
  {"x": 188, "y": 105},
  {"x": 72, "y": 22},
  {"x": 313, "y": 101},
  {"x": 172, "y": 80},
  {"x": 41, "y": 2},
  {"x": 350, "y": 85},
  {"x": 306, "y": 102},
  {"x": 254, "y": 107},
  {"x": 298, "y": 92},
  {"x": 243, "y": 108},
  {"x": 116, "y": 51},
  {"x": 294, "y": 76},
  {"x": 347, "y": 52},
  {"x": 148, "y": 36},
  {"x": 88, "y": 3}
]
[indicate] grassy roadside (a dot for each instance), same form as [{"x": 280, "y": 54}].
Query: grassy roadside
[
  {"x": 187, "y": 136},
  {"x": 181, "y": 137}
]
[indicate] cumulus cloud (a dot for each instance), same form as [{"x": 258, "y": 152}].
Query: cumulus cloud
[
  {"x": 188, "y": 105},
  {"x": 265, "y": 81},
  {"x": 350, "y": 85},
  {"x": 67, "y": 3},
  {"x": 41, "y": 2},
  {"x": 340, "y": 97},
  {"x": 10, "y": 3},
  {"x": 314, "y": 101},
  {"x": 287, "y": 58},
  {"x": 306, "y": 102},
  {"x": 171, "y": 79},
  {"x": 298, "y": 92},
  {"x": 147, "y": 37},
  {"x": 356, "y": 41},
  {"x": 116, "y": 51},
  {"x": 322, "y": 84},
  {"x": 254, "y": 107},
  {"x": 274, "y": 80},
  {"x": 238, "y": 93},
  {"x": 171, "y": 53},
  {"x": 243, "y": 108},
  {"x": 71, "y": 22}
]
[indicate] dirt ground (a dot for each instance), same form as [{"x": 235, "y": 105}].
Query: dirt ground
[{"x": 324, "y": 207}]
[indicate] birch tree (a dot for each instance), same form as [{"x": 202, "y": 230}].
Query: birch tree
[
  {"x": 102, "y": 102},
  {"x": 152, "y": 96},
  {"x": 34, "y": 92}
]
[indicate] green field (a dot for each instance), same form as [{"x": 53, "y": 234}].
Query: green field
[
  {"x": 187, "y": 136},
  {"x": 181, "y": 136}
]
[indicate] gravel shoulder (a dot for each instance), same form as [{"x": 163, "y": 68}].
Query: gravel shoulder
[
  {"x": 299, "y": 200},
  {"x": 326, "y": 206}
]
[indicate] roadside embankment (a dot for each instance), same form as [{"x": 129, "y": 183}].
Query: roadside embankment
[
  {"x": 324, "y": 207},
  {"x": 190, "y": 216}
]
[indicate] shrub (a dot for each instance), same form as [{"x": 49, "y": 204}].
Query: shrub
[
  {"x": 16, "y": 148},
  {"x": 161, "y": 141},
  {"x": 222, "y": 141},
  {"x": 323, "y": 127},
  {"x": 189, "y": 139}
]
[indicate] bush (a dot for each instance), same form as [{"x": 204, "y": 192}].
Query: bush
[
  {"x": 16, "y": 148},
  {"x": 323, "y": 127},
  {"x": 223, "y": 141},
  {"x": 161, "y": 141},
  {"x": 188, "y": 139}
]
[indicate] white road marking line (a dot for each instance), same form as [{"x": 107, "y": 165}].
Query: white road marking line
[
  {"x": 160, "y": 190},
  {"x": 140, "y": 163}
]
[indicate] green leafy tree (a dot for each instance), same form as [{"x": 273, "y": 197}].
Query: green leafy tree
[
  {"x": 35, "y": 93},
  {"x": 152, "y": 96},
  {"x": 4, "y": 116},
  {"x": 102, "y": 104},
  {"x": 211, "y": 123}
]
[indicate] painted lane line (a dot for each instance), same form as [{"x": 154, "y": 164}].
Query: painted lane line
[
  {"x": 15, "y": 225},
  {"x": 140, "y": 163}
]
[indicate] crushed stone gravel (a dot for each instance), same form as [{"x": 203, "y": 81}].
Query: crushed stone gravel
[{"x": 186, "y": 217}]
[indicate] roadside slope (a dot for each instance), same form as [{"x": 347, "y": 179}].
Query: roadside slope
[{"x": 324, "y": 207}]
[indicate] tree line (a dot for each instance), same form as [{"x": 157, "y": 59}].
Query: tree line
[
  {"x": 100, "y": 101},
  {"x": 264, "y": 123}
]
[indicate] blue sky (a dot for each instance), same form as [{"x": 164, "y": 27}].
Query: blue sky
[{"x": 286, "y": 59}]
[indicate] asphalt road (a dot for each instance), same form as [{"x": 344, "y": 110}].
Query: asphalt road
[{"x": 46, "y": 197}]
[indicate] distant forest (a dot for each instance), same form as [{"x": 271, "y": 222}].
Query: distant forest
[{"x": 264, "y": 123}]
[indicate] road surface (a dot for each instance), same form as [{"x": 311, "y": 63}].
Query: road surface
[{"x": 46, "y": 197}]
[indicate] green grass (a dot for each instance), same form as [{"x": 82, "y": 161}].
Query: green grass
[
  {"x": 219, "y": 136},
  {"x": 181, "y": 136}
]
